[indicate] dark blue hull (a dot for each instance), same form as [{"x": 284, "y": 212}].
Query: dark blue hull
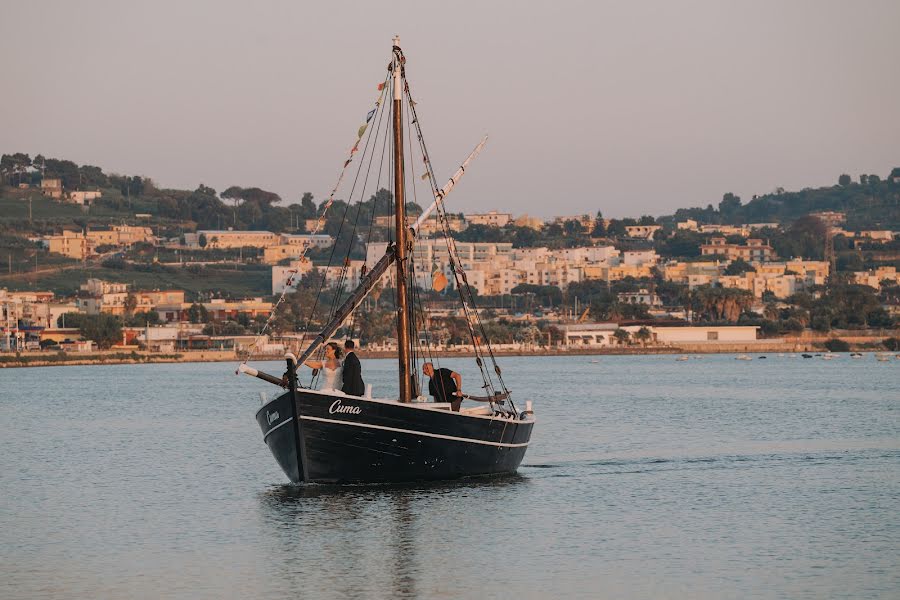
[{"x": 347, "y": 439}]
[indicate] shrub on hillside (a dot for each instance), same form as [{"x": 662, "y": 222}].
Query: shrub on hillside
[{"x": 836, "y": 345}]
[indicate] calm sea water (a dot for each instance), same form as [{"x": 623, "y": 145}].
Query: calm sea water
[{"x": 647, "y": 477}]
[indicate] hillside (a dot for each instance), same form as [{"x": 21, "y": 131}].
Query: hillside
[{"x": 869, "y": 203}]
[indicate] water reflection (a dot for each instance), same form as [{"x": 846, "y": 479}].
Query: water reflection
[{"x": 376, "y": 538}]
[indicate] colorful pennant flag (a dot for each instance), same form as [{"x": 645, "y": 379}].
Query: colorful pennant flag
[
  {"x": 370, "y": 115},
  {"x": 380, "y": 86},
  {"x": 362, "y": 130}
]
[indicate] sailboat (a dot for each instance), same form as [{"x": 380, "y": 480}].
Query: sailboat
[{"x": 326, "y": 436}]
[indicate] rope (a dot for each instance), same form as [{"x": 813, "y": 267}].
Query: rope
[
  {"x": 292, "y": 273},
  {"x": 463, "y": 288}
]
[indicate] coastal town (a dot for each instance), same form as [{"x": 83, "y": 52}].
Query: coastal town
[{"x": 105, "y": 264}]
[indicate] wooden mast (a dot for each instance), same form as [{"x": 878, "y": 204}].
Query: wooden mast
[{"x": 403, "y": 348}]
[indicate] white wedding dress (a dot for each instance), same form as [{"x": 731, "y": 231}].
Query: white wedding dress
[{"x": 333, "y": 378}]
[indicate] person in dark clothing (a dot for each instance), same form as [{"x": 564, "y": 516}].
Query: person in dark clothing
[
  {"x": 444, "y": 386},
  {"x": 353, "y": 381}
]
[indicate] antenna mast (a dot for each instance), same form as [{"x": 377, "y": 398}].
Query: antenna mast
[{"x": 403, "y": 349}]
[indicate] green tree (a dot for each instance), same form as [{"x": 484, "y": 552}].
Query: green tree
[
  {"x": 103, "y": 329},
  {"x": 202, "y": 240},
  {"x": 738, "y": 266},
  {"x": 844, "y": 180},
  {"x": 837, "y": 345},
  {"x": 599, "y": 227},
  {"x": 729, "y": 206},
  {"x": 622, "y": 336},
  {"x": 142, "y": 319},
  {"x": 643, "y": 335},
  {"x": 130, "y": 304},
  {"x": 197, "y": 313}
]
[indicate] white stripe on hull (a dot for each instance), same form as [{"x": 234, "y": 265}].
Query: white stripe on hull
[
  {"x": 285, "y": 422},
  {"x": 412, "y": 432}
]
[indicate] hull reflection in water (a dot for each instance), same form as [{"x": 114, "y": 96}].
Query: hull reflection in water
[{"x": 348, "y": 439}]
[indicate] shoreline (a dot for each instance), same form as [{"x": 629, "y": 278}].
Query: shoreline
[{"x": 779, "y": 345}]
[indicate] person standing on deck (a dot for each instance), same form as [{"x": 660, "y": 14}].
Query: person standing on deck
[
  {"x": 353, "y": 381},
  {"x": 444, "y": 386}
]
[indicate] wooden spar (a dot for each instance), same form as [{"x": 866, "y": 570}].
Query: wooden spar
[
  {"x": 380, "y": 268},
  {"x": 442, "y": 193},
  {"x": 260, "y": 375},
  {"x": 403, "y": 349},
  {"x": 350, "y": 304}
]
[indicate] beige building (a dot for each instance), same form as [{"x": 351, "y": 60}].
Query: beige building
[
  {"x": 232, "y": 239},
  {"x": 119, "y": 235},
  {"x": 874, "y": 277},
  {"x": 725, "y": 333},
  {"x": 754, "y": 250},
  {"x": 69, "y": 243},
  {"x": 294, "y": 246},
  {"x": 491, "y": 218},
  {"x": 52, "y": 187},
  {"x": 682, "y": 272},
  {"x": 528, "y": 221},
  {"x": 877, "y": 236},
  {"x": 741, "y": 230},
  {"x": 82, "y": 197}
]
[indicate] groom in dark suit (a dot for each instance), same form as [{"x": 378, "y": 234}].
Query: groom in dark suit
[{"x": 353, "y": 382}]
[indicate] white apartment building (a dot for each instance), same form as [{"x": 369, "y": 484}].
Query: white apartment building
[
  {"x": 640, "y": 257},
  {"x": 280, "y": 274}
]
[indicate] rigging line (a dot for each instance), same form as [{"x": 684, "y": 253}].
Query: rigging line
[
  {"x": 415, "y": 288},
  {"x": 442, "y": 212},
  {"x": 422, "y": 319},
  {"x": 288, "y": 284},
  {"x": 338, "y": 288},
  {"x": 377, "y": 184},
  {"x": 488, "y": 380},
  {"x": 359, "y": 204},
  {"x": 347, "y": 204}
]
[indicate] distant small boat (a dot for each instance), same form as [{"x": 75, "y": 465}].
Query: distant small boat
[
  {"x": 883, "y": 358},
  {"x": 761, "y": 357},
  {"x": 781, "y": 354},
  {"x": 594, "y": 361},
  {"x": 855, "y": 355},
  {"x": 806, "y": 355},
  {"x": 829, "y": 356},
  {"x": 742, "y": 357},
  {"x": 683, "y": 358}
]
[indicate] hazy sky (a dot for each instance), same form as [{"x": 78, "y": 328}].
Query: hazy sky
[{"x": 626, "y": 107}]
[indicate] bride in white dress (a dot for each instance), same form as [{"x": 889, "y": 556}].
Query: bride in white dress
[{"x": 331, "y": 368}]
